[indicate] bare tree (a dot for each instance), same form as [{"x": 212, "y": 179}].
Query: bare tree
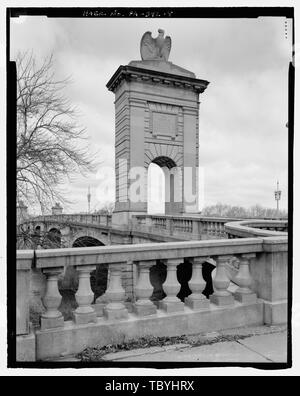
[
  {"x": 106, "y": 209},
  {"x": 50, "y": 145},
  {"x": 256, "y": 211}
]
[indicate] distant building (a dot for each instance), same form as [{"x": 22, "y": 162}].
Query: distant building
[
  {"x": 57, "y": 209},
  {"x": 22, "y": 213}
]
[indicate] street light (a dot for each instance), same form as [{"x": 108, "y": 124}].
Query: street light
[
  {"x": 89, "y": 199},
  {"x": 277, "y": 194}
]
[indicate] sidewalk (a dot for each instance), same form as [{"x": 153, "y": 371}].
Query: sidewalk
[
  {"x": 260, "y": 344},
  {"x": 266, "y": 345}
]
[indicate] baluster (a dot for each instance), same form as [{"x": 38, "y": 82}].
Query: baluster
[
  {"x": 144, "y": 306},
  {"x": 208, "y": 228},
  {"x": 115, "y": 293},
  {"x": 52, "y": 318},
  {"x": 221, "y": 229},
  {"x": 216, "y": 227},
  {"x": 221, "y": 295},
  {"x": 85, "y": 313},
  {"x": 102, "y": 300},
  {"x": 244, "y": 279},
  {"x": 171, "y": 303},
  {"x": 197, "y": 300}
]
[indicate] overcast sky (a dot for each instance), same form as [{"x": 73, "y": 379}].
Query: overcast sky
[{"x": 243, "y": 113}]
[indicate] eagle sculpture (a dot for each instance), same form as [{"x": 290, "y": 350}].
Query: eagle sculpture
[{"x": 155, "y": 48}]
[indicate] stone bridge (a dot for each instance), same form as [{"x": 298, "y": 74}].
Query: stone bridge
[
  {"x": 78, "y": 230},
  {"x": 249, "y": 288},
  {"x": 155, "y": 271}
]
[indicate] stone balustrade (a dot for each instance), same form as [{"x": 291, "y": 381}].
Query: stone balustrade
[
  {"x": 178, "y": 227},
  {"x": 185, "y": 226},
  {"x": 256, "y": 228},
  {"x": 101, "y": 219},
  {"x": 261, "y": 295}
]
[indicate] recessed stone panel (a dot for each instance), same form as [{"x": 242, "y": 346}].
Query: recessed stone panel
[
  {"x": 163, "y": 120},
  {"x": 164, "y": 124}
]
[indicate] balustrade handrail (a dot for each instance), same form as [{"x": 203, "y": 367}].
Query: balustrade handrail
[
  {"x": 153, "y": 216},
  {"x": 69, "y": 217},
  {"x": 255, "y": 227},
  {"x": 190, "y": 225},
  {"x": 256, "y": 253},
  {"x": 118, "y": 254},
  {"x": 188, "y": 217}
]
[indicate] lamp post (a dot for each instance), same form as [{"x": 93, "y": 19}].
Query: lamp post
[
  {"x": 277, "y": 194},
  {"x": 89, "y": 199}
]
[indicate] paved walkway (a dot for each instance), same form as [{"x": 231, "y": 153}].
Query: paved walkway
[
  {"x": 261, "y": 344},
  {"x": 265, "y": 345}
]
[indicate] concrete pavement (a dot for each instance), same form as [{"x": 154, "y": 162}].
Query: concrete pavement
[
  {"x": 265, "y": 345},
  {"x": 256, "y": 344}
]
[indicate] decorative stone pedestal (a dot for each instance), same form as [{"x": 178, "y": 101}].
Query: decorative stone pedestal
[
  {"x": 115, "y": 293},
  {"x": 171, "y": 306},
  {"x": 144, "y": 309},
  {"x": 243, "y": 298},
  {"x": 171, "y": 303},
  {"x": 143, "y": 290},
  {"x": 222, "y": 300},
  {"x": 85, "y": 317},
  {"x": 85, "y": 313},
  {"x": 244, "y": 279},
  {"x": 115, "y": 311},
  {"x": 197, "y": 300},
  {"x": 221, "y": 295},
  {"x": 52, "y": 323},
  {"x": 52, "y": 318},
  {"x": 197, "y": 304}
]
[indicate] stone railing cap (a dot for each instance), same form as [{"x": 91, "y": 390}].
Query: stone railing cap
[
  {"x": 24, "y": 259},
  {"x": 248, "y": 227},
  {"x": 148, "y": 251}
]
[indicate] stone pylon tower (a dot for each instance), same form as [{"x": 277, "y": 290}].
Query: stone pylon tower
[{"x": 156, "y": 120}]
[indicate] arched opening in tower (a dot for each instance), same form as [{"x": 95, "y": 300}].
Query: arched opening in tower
[{"x": 163, "y": 187}]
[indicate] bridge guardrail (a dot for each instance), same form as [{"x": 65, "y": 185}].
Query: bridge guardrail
[
  {"x": 255, "y": 257},
  {"x": 256, "y": 228}
]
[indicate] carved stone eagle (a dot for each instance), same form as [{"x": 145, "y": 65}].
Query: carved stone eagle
[{"x": 155, "y": 48}]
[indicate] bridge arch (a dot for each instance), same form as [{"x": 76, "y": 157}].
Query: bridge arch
[
  {"x": 92, "y": 237},
  {"x": 37, "y": 228},
  {"x": 53, "y": 237},
  {"x": 87, "y": 241}
]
